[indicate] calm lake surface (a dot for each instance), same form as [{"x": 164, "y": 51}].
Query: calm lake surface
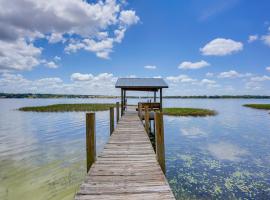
[{"x": 42, "y": 155}]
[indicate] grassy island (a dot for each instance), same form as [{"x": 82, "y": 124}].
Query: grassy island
[
  {"x": 258, "y": 106},
  {"x": 68, "y": 107},
  {"x": 195, "y": 112}
]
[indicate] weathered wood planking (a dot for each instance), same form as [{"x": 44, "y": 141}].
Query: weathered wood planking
[{"x": 127, "y": 168}]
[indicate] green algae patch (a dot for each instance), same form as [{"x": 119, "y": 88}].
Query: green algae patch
[
  {"x": 195, "y": 112},
  {"x": 68, "y": 107},
  {"x": 258, "y": 106}
]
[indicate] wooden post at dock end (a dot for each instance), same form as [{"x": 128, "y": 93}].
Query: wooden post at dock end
[
  {"x": 117, "y": 112},
  {"x": 160, "y": 147},
  {"x": 90, "y": 140},
  {"x": 140, "y": 111},
  {"x": 146, "y": 119},
  {"x": 111, "y": 120}
]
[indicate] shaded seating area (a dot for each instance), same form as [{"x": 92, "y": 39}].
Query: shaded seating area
[{"x": 154, "y": 85}]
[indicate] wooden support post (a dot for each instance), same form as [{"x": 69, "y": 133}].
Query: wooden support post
[
  {"x": 146, "y": 119},
  {"x": 140, "y": 111},
  {"x": 111, "y": 120},
  {"x": 160, "y": 99},
  {"x": 122, "y": 102},
  {"x": 90, "y": 140},
  {"x": 155, "y": 96},
  {"x": 117, "y": 112},
  {"x": 160, "y": 147}
]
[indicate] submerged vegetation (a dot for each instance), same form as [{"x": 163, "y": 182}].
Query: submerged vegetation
[
  {"x": 258, "y": 106},
  {"x": 196, "y": 112},
  {"x": 69, "y": 107}
]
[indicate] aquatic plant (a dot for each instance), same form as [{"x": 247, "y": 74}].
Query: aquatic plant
[
  {"x": 196, "y": 112},
  {"x": 68, "y": 107},
  {"x": 258, "y": 106}
]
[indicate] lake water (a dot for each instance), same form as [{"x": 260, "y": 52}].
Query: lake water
[{"x": 42, "y": 155}]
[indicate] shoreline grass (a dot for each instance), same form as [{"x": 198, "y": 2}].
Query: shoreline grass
[
  {"x": 258, "y": 106},
  {"x": 68, "y": 107},
  {"x": 194, "y": 112}
]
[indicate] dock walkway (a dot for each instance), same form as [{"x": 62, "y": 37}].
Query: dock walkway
[{"x": 127, "y": 168}]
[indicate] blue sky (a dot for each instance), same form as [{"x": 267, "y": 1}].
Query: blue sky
[{"x": 73, "y": 46}]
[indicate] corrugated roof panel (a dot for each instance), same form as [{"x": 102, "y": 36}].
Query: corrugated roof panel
[{"x": 141, "y": 83}]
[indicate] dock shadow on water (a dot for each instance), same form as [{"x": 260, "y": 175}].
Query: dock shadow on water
[{"x": 42, "y": 155}]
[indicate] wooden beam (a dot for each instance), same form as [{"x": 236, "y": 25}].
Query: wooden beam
[
  {"x": 160, "y": 147},
  {"x": 90, "y": 140}
]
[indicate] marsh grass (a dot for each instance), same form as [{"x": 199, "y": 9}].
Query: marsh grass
[
  {"x": 69, "y": 107},
  {"x": 195, "y": 112},
  {"x": 258, "y": 106}
]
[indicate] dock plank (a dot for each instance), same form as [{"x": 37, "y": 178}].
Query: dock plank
[{"x": 127, "y": 167}]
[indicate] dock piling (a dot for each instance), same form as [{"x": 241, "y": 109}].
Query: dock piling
[
  {"x": 160, "y": 147},
  {"x": 146, "y": 119},
  {"x": 111, "y": 120},
  {"x": 117, "y": 112},
  {"x": 90, "y": 140}
]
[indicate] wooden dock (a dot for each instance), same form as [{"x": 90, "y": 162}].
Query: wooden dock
[{"x": 127, "y": 168}]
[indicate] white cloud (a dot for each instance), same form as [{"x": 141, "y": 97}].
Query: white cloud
[
  {"x": 268, "y": 68},
  {"x": 150, "y": 67},
  {"x": 57, "y": 58},
  {"x": 128, "y": 17},
  {"x": 221, "y": 47},
  {"x": 81, "y": 77},
  {"x": 100, "y": 84},
  {"x": 193, "y": 65},
  {"x": 55, "y": 38},
  {"x": 207, "y": 81},
  {"x": 253, "y": 85},
  {"x": 266, "y": 39},
  {"x": 18, "y": 55},
  {"x": 260, "y": 78},
  {"x": 233, "y": 74},
  {"x": 181, "y": 78},
  {"x": 253, "y": 38},
  {"x": 51, "y": 64},
  {"x": 209, "y": 74},
  {"x": 97, "y": 26}
]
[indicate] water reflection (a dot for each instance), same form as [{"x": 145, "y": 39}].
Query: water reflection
[{"x": 42, "y": 155}]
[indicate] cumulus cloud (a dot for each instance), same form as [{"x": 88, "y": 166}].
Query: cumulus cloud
[
  {"x": 207, "y": 81},
  {"x": 252, "y": 38},
  {"x": 150, "y": 67},
  {"x": 260, "y": 78},
  {"x": 81, "y": 77},
  {"x": 209, "y": 74},
  {"x": 52, "y": 65},
  {"x": 221, "y": 47},
  {"x": 128, "y": 17},
  {"x": 181, "y": 78},
  {"x": 18, "y": 55},
  {"x": 233, "y": 74},
  {"x": 268, "y": 68},
  {"x": 266, "y": 39},
  {"x": 96, "y": 27},
  {"x": 193, "y": 65},
  {"x": 81, "y": 84}
]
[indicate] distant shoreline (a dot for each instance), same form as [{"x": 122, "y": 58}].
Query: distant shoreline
[{"x": 69, "y": 96}]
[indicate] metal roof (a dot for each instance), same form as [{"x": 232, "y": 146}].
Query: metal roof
[{"x": 141, "y": 83}]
